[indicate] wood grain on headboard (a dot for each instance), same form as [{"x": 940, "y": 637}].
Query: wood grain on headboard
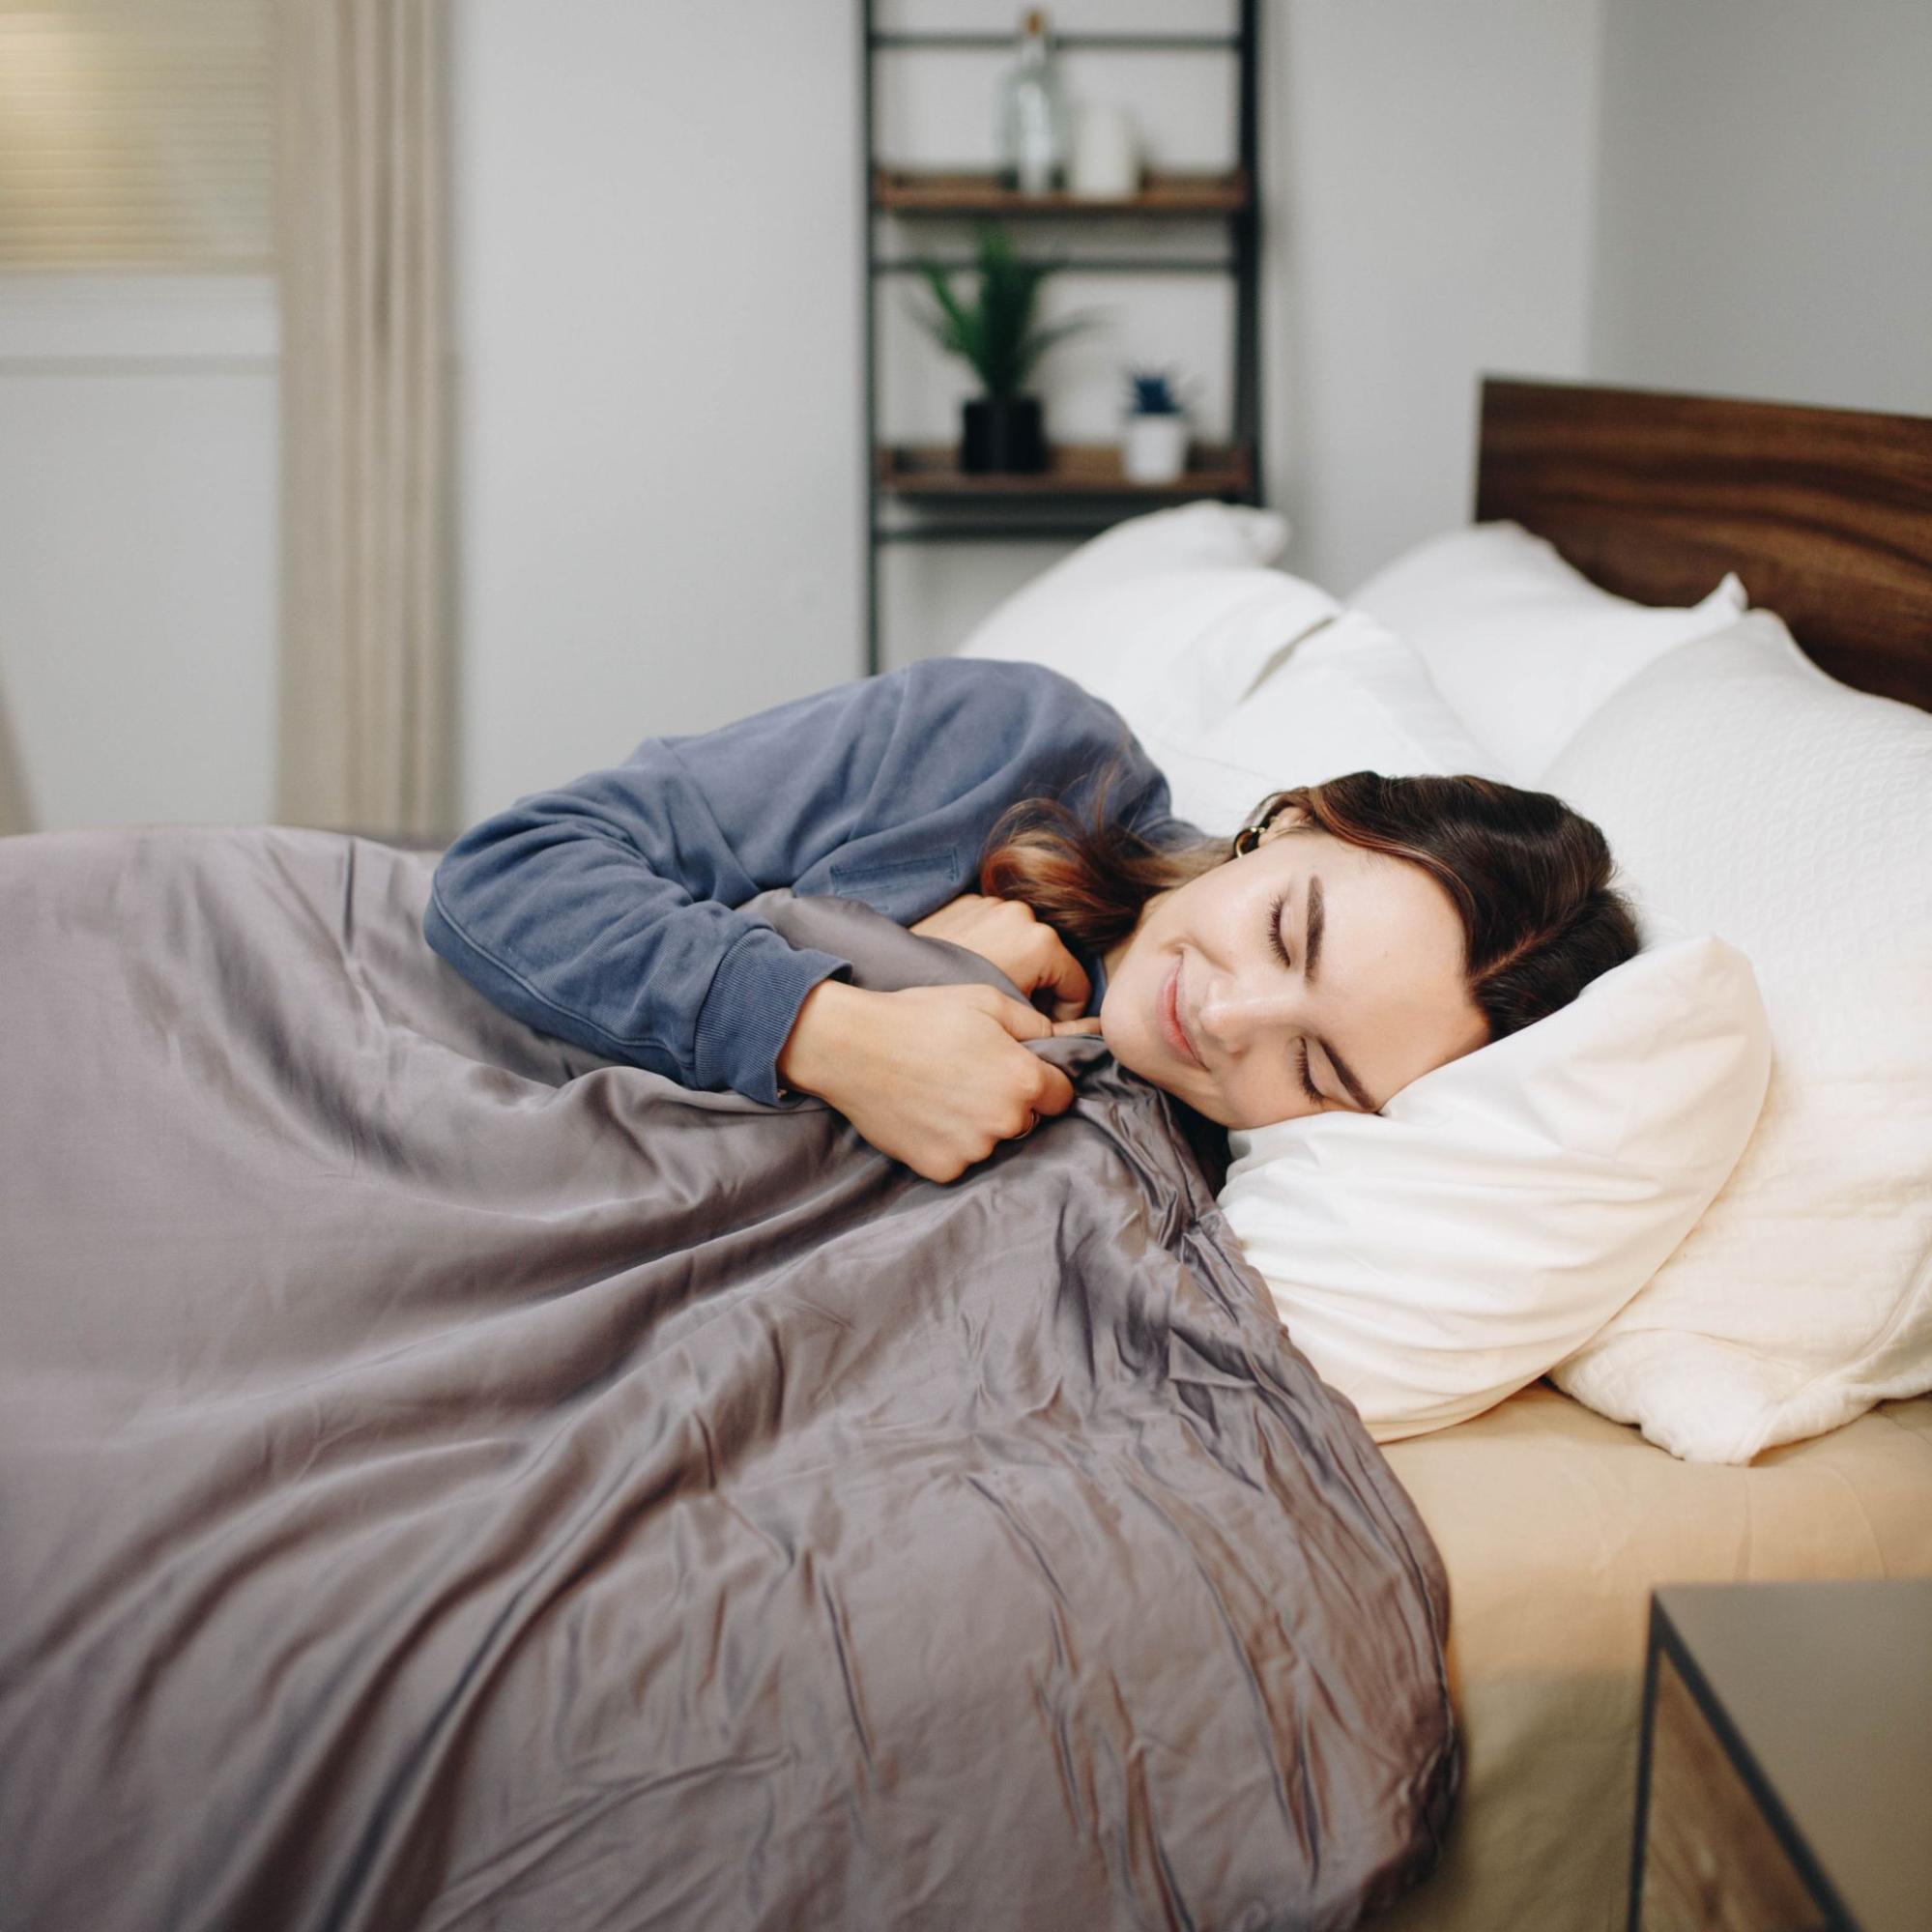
[{"x": 1826, "y": 514}]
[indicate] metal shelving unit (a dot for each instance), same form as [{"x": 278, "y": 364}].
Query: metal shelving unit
[{"x": 1082, "y": 491}]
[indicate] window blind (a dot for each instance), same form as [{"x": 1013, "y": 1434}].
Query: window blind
[{"x": 135, "y": 133}]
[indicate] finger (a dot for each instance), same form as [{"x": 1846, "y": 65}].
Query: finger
[
  {"x": 1055, "y": 966},
  {"x": 1022, "y": 1022},
  {"x": 1089, "y": 1024},
  {"x": 1054, "y": 1093}
]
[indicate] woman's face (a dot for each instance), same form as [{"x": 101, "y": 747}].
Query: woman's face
[{"x": 1370, "y": 996}]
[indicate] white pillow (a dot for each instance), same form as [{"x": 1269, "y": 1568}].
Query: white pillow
[
  {"x": 1351, "y": 697},
  {"x": 1431, "y": 1259},
  {"x": 1746, "y": 791},
  {"x": 1172, "y": 618},
  {"x": 1524, "y": 647}
]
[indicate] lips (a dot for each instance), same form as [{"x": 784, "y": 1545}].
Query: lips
[{"x": 1168, "y": 1006}]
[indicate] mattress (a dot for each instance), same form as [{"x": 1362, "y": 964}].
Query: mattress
[{"x": 1555, "y": 1525}]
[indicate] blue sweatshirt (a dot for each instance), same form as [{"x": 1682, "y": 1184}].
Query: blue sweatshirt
[{"x": 604, "y": 912}]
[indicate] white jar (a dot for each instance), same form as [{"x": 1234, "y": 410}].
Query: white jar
[
  {"x": 1155, "y": 448},
  {"x": 1107, "y": 160}
]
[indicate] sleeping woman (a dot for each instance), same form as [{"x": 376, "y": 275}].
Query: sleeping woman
[{"x": 1352, "y": 936}]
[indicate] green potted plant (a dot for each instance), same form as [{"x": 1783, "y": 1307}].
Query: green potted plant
[
  {"x": 999, "y": 337},
  {"x": 1155, "y": 447}
]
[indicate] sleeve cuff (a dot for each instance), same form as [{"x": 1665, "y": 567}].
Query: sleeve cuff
[{"x": 750, "y": 1010}]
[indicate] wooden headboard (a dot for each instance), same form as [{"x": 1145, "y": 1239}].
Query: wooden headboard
[{"x": 1826, "y": 514}]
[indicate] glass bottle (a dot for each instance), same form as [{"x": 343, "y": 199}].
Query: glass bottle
[{"x": 1033, "y": 116}]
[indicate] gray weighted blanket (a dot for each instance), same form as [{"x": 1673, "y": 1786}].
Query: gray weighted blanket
[{"x": 449, "y": 1480}]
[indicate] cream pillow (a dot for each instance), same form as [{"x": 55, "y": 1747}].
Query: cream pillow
[
  {"x": 1431, "y": 1259},
  {"x": 1351, "y": 697},
  {"x": 1522, "y": 646},
  {"x": 1748, "y": 792},
  {"x": 1172, "y": 618}
]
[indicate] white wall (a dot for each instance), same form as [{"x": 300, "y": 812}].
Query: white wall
[
  {"x": 1430, "y": 183},
  {"x": 138, "y": 545},
  {"x": 657, "y": 312},
  {"x": 1765, "y": 212}
]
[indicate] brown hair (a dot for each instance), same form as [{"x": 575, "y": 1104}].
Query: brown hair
[{"x": 1529, "y": 878}]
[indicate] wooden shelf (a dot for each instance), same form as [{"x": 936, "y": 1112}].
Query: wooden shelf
[
  {"x": 1003, "y": 42},
  {"x": 904, "y": 191},
  {"x": 932, "y": 471}
]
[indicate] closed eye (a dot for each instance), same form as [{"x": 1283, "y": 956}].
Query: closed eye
[
  {"x": 1281, "y": 952},
  {"x": 1309, "y": 1086},
  {"x": 1274, "y": 933}
]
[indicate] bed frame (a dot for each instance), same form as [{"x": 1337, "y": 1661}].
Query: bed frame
[{"x": 1826, "y": 514}]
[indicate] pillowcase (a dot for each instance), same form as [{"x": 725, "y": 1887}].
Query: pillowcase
[
  {"x": 1351, "y": 697},
  {"x": 1746, "y": 790},
  {"x": 1172, "y": 618},
  {"x": 1431, "y": 1259},
  {"x": 1524, "y": 647}
]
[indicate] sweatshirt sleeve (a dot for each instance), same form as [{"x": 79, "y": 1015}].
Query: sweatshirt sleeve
[{"x": 603, "y": 912}]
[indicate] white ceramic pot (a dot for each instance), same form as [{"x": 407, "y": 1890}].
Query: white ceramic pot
[{"x": 1155, "y": 448}]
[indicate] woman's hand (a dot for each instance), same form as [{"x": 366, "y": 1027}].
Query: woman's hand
[
  {"x": 1005, "y": 932},
  {"x": 934, "y": 1076}
]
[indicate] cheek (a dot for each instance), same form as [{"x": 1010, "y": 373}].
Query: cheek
[
  {"x": 1116, "y": 1025},
  {"x": 1266, "y": 1096},
  {"x": 1127, "y": 1025}
]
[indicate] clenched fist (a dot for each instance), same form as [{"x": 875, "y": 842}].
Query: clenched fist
[
  {"x": 1004, "y": 930},
  {"x": 934, "y": 1076}
]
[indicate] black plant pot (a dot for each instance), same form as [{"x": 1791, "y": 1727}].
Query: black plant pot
[{"x": 1002, "y": 432}]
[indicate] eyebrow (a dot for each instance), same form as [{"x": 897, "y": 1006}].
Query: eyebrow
[{"x": 1317, "y": 924}]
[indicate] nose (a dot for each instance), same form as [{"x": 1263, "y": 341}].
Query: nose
[{"x": 1233, "y": 1013}]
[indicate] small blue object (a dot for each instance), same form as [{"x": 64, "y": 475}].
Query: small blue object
[{"x": 1152, "y": 393}]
